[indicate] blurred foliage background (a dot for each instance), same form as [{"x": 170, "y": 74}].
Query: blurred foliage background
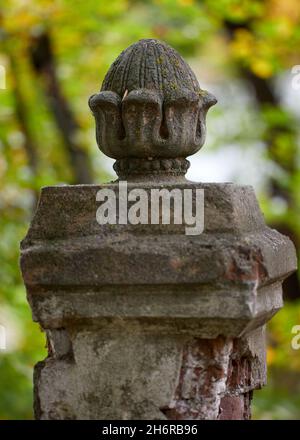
[{"x": 56, "y": 52}]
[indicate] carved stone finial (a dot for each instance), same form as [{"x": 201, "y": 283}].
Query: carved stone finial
[{"x": 150, "y": 113}]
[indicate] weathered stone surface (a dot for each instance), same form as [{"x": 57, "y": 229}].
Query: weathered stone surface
[
  {"x": 225, "y": 281},
  {"x": 150, "y": 107},
  {"x": 121, "y": 371},
  {"x": 144, "y": 321},
  {"x": 217, "y": 377},
  {"x": 153, "y": 65}
]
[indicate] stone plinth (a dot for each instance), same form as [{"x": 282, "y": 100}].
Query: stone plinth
[{"x": 144, "y": 321}]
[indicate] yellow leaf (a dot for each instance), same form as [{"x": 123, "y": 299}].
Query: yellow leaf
[
  {"x": 262, "y": 68},
  {"x": 270, "y": 356}
]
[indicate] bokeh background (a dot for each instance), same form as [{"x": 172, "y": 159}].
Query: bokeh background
[{"x": 56, "y": 52}]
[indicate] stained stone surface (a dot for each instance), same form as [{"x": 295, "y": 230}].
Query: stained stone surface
[
  {"x": 120, "y": 371},
  {"x": 150, "y": 64},
  {"x": 229, "y": 277},
  {"x": 150, "y": 107},
  {"x": 145, "y": 321}
]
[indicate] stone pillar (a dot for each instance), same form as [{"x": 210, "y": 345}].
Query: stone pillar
[{"x": 145, "y": 321}]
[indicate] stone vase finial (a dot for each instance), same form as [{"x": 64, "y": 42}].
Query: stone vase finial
[{"x": 150, "y": 114}]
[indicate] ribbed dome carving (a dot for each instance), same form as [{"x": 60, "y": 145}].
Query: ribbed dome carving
[{"x": 150, "y": 64}]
